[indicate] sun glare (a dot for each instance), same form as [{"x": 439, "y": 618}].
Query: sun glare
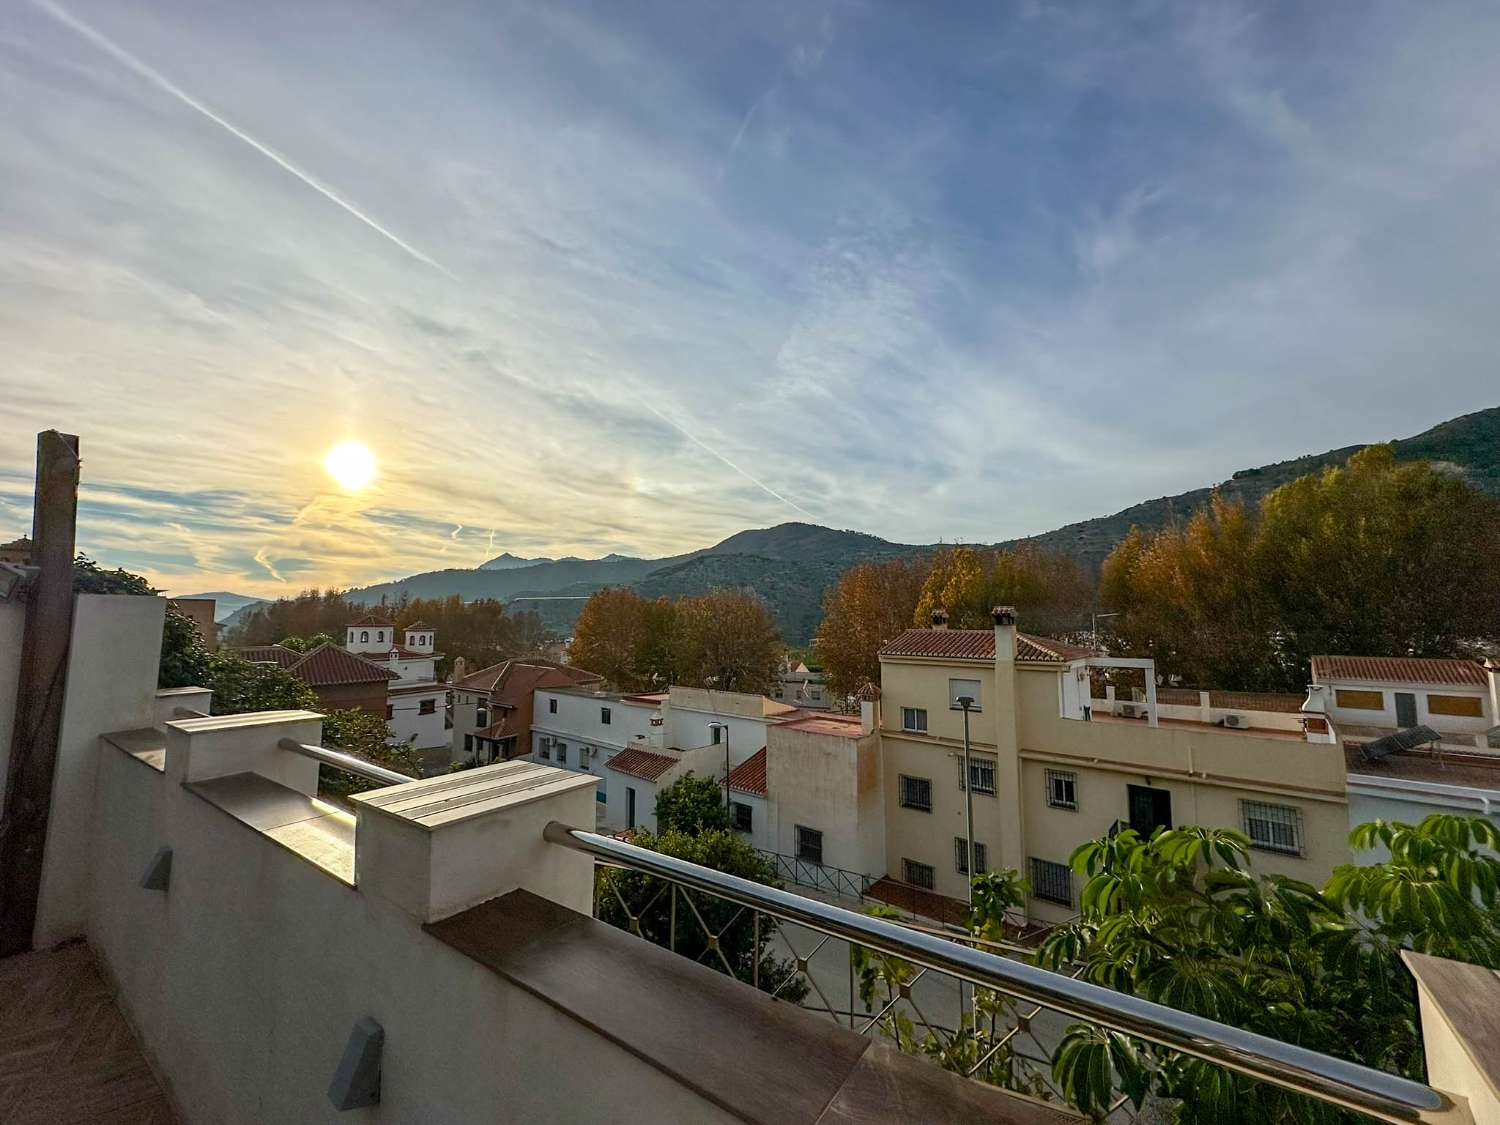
[{"x": 351, "y": 464}]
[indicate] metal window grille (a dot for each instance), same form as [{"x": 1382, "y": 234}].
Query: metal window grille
[
  {"x": 1051, "y": 882},
  {"x": 981, "y": 773},
  {"x": 916, "y": 793},
  {"x": 809, "y": 844},
  {"x": 1062, "y": 789},
  {"x": 918, "y": 874},
  {"x": 562, "y": 751},
  {"x": 604, "y": 715},
  {"x": 961, "y": 856},
  {"x": 914, "y": 718},
  {"x": 742, "y": 817},
  {"x": 544, "y": 748},
  {"x": 1274, "y": 828}
]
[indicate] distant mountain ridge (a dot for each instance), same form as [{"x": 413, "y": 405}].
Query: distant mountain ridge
[{"x": 792, "y": 564}]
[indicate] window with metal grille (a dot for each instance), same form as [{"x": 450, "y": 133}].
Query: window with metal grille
[
  {"x": 916, "y": 793},
  {"x": 1273, "y": 828},
  {"x": 552, "y": 706},
  {"x": 914, "y": 718},
  {"x": 544, "y": 748},
  {"x": 562, "y": 751},
  {"x": 742, "y": 817},
  {"x": 961, "y": 856},
  {"x": 1062, "y": 789},
  {"x": 918, "y": 874},
  {"x": 604, "y": 715},
  {"x": 427, "y": 707},
  {"x": 809, "y": 844},
  {"x": 1051, "y": 882},
  {"x": 981, "y": 773}
]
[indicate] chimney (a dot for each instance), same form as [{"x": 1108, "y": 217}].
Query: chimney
[
  {"x": 940, "y": 618},
  {"x": 869, "y": 708},
  {"x": 1005, "y": 633},
  {"x": 1492, "y": 670}
]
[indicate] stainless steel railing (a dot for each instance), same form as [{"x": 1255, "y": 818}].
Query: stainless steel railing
[
  {"x": 1386, "y": 1097},
  {"x": 347, "y": 762}
]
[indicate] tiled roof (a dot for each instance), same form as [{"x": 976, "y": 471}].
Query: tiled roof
[
  {"x": 328, "y": 665},
  {"x": 499, "y": 675},
  {"x": 642, "y": 764},
  {"x": 371, "y": 619},
  {"x": 505, "y": 728},
  {"x": 979, "y": 644},
  {"x": 869, "y": 693},
  {"x": 1403, "y": 669},
  {"x": 269, "y": 654},
  {"x": 22, "y": 544},
  {"x": 750, "y": 775},
  {"x": 420, "y": 626}
]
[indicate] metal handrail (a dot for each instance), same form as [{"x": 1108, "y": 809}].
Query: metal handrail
[
  {"x": 347, "y": 762},
  {"x": 1384, "y": 1096}
]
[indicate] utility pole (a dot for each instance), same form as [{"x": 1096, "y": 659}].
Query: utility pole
[
  {"x": 967, "y": 701},
  {"x": 39, "y": 690}
]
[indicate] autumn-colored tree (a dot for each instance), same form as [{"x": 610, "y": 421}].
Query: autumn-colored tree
[
  {"x": 1374, "y": 557},
  {"x": 609, "y": 635},
  {"x": 870, "y": 604},
  {"x": 1050, "y": 591},
  {"x": 725, "y": 639}
]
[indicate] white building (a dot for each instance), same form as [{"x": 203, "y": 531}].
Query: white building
[
  {"x": 416, "y": 703},
  {"x": 1367, "y": 697}
]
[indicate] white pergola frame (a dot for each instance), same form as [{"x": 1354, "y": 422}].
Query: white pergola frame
[{"x": 1146, "y": 664}]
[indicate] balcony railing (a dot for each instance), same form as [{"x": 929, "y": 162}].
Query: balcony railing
[
  {"x": 778, "y": 920},
  {"x": 819, "y": 876}
]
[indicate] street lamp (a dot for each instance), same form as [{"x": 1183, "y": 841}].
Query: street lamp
[
  {"x": 725, "y": 728},
  {"x": 965, "y": 702},
  {"x": 1094, "y": 626}
]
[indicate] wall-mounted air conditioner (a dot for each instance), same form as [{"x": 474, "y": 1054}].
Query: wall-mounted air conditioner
[
  {"x": 1238, "y": 721},
  {"x": 1132, "y": 710}
]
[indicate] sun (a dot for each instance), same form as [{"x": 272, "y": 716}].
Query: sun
[{"x": 351, "y": 464}]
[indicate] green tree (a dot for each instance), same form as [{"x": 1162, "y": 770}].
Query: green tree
[
  {"x": 240, "y": 686},
  {"x": 692, "y": 805},
  {"x": 643, "y": 904},
  {"x": 184, "y": 660},
  {"x": 365, "y": 736},
  {"x": 1180, "y": 918}
]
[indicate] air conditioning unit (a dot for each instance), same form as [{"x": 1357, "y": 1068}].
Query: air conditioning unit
[
  {"x": 1238, "y": 721},
  {"x": 1132, "y": 710}
]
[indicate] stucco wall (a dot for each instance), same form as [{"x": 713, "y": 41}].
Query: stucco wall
[
  {"x": 815, "y": 779},
  {"x": 366, "y": 697},
  {"x": 12, "y": 625},
  {"x": 408, "y": 724},
  {"x": 1386, "y": 716},
  {"x": 578, "y": 719}
]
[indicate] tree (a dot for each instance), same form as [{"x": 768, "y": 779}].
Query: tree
[
  {"x": 644, "y": 905},
  {"x": 869, "y": 605},
  {"x": 306, "y": 644},
  {"x": 692, "y": 805},
  {"x": 184, "y": 660},
  {"x": 365, "y": 736},
  {"x": 1049, "y": 591},
  {"x": 725, "y": 639},
  {"x": 1180, "y": 918},
  {"x": 609, "y": 636},
  {"x": 240, "y": 686}
]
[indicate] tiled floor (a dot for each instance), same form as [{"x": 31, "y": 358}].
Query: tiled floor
[{"x": 66, "y": 1053}]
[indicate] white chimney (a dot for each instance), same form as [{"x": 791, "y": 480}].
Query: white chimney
[
  {"x": 940, "y": 618},
  {"x": 869, "y": 708},
  {"x": 1492, "y": 670},
  {"x": 1005, "y": 633}
]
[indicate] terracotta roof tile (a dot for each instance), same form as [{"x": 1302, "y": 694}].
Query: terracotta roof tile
[
  {"x": 328, "y": 665},
  {"x": 419, "y": 626},
  {"x": 498, "y": 675},
  {"x": 642, "y": 764},
  {"x": 269, "y": 654},
  {"x": 371, "y": 619},
  {"x": 1403, "y": 669},
  {"x": 750, "y": 775},
  {"x": 979, "y": 644}
]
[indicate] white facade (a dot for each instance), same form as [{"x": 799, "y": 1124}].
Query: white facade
[
  {"x": 416, "y": 707},
  {"x": 1395, "y": 704}
]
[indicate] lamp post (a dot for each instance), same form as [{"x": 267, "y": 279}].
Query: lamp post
[
  {"x": 725, "y": 728},
  {"x": 965, "y": 702},
  {"x": 1094, "y": 626}
]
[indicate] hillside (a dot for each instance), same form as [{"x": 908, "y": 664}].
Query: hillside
[
  {"x": 227, "y": 605},
  {"x": 1471, "y": 442},
  {"x": 792, "y": 564}
]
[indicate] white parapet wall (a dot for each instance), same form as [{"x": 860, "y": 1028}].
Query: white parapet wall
[{"x": 245, "y": 976}]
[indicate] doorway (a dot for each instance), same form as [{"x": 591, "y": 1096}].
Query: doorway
[
  {"x": 1406, "y": 710},
  {"x": 1150, "y": 809}
]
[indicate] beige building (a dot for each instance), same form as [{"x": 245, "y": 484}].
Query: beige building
[{"x": 1049, "y": 772}]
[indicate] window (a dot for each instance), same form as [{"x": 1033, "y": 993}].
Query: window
[
  {"x": 1273, "y": 828},
  {"x": 815, "y": 694},
  {"x": 468, "y": 744},
  {"x": 959, "y": 688},
  {"x": 1465, "y": 706},
  {"x": 562, "y": 752},
  {"x": 914, "y": 718},
  {"x": 380, "y": 635},
  {"x": 918, "y": 874},
  {"x": 629, "y": 807},
  {"x": 482, "y": 715},
  {"x": 809, "y": 844},
  {"x": 551, "y": 706},
  {"x": 1360, "y": 700},
  {"x": 1062, "y": 789},
  {"x": 604, "y": 715},
  {"x": 1051, "y": 882},
  {"x": 1150, "y": 808},
  {"x": 427, "y": 707},
  {"x": 718, "y": 734},
  {"x": 916, "y": 793},
  {"x": 544, "y": 748},
  {"x": 961, "y": 856},
  {"x": 364, "y": 636},
  {"x": 742, "y": 817},
  {"x": 981, "y": 773}
]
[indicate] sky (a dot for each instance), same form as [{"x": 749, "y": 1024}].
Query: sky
[{"x": 632, "y": 277}]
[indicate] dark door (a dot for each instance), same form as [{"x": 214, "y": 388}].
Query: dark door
[
  {"x": 629, "y": 807},
  {"x": 1150, "y": 809},
  {"x": 1406, "y": 709}
]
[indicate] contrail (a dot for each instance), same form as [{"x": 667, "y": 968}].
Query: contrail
[
  {"x": 456, "y": 530},
  {"x": 766, "y": 488},
  {"x": 162, "y": 82}
]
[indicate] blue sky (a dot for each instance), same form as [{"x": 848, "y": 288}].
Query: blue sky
[{"x": 631, "y": 277}]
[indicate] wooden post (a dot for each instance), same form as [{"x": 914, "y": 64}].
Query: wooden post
[{"x": 39, "y": 695}]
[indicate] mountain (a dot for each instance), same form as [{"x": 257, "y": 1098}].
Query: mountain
[
  {"x": 226, "y": 604},
  {"x": 792, "y": 564},
  {"x": 1471, "y": 443}
]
